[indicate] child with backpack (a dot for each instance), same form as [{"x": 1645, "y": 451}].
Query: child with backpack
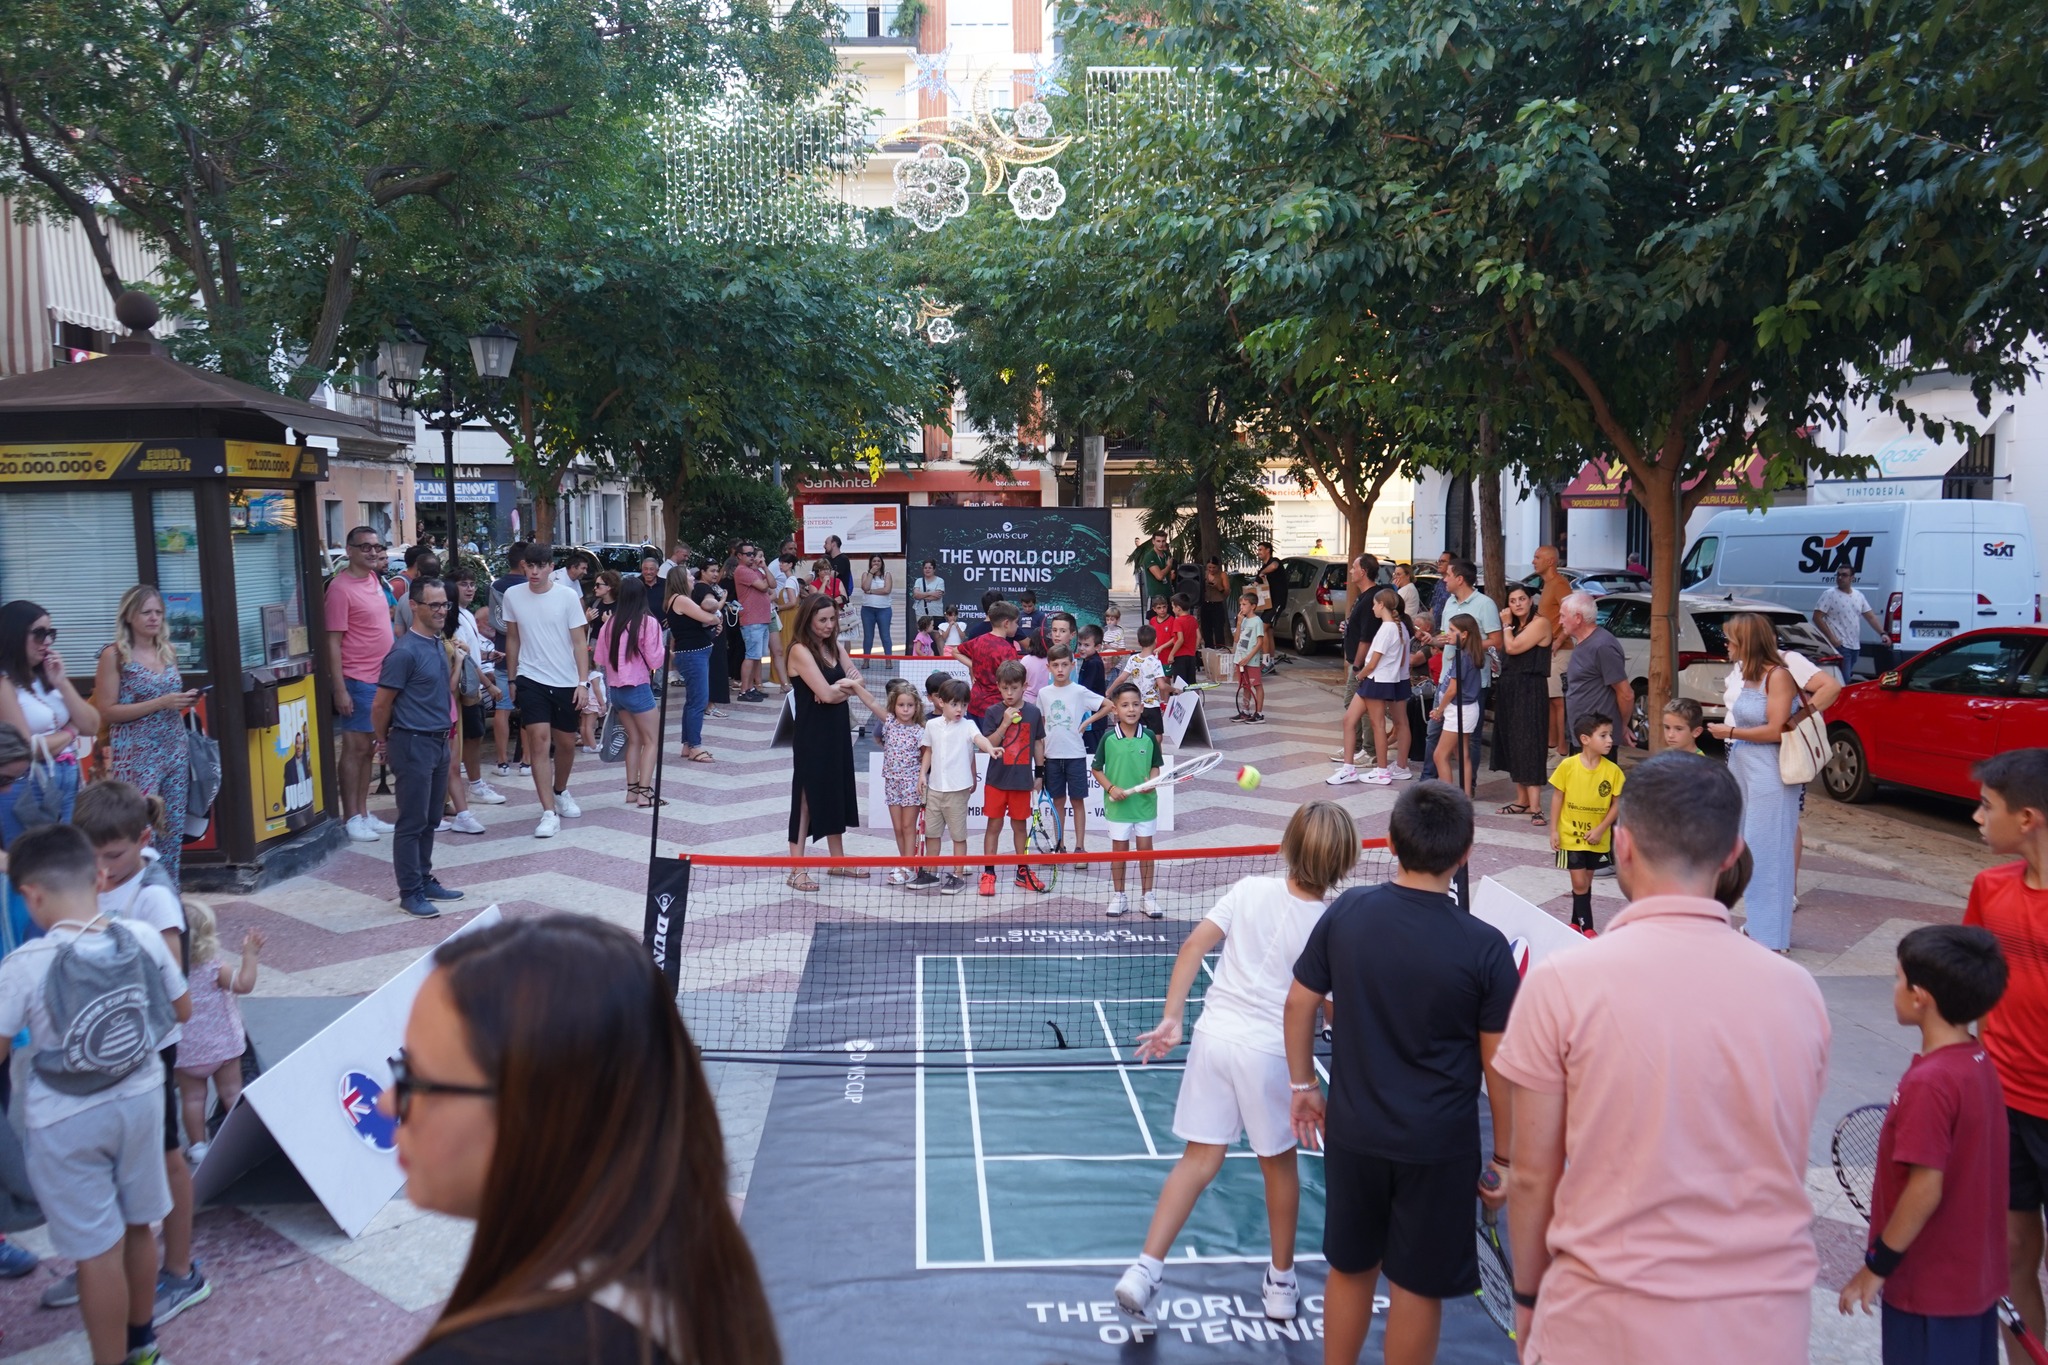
[{"x": 93, "y": 1114}]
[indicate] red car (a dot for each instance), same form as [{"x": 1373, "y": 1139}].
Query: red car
[{"x": 1927, "y": 722}]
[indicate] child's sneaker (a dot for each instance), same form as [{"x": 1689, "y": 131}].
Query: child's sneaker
[
  {"x": 152, "y": 1354},
  {"x": 1119, "y": 905},
  {"x": 923, "y": 881},
  {"x": 951, "y": 885},
  {"x": 16, "y": 1260},
  {"x": 1376, "y": 777},
  {"x": 1027, "y": 880},
  {"x": 1151, "y": 907},
  {"x": 175, "y": 1295},
  {"x": 1400, "y": 774},
  {"x": 1283, "y": 1297},
  {"x": 1345, "y": 773},
  {"x": 1134, "y": 1293},
  {"x": 988, "y": 884}
]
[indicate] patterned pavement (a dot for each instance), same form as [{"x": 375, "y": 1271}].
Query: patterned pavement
[{"x": 289, "y": 1286}]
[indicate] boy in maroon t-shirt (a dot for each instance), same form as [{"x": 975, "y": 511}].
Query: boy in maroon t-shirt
[
  {"x": 1184, "y": 629},
  {"x": 984, "y": 654},
  {"x": 1937, "y": 1249}
]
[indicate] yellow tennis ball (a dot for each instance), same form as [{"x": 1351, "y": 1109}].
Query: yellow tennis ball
[{"x": 1248, "y": 777}]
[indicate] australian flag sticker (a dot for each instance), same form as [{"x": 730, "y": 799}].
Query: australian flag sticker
[{"x": 359, "y": 1106}]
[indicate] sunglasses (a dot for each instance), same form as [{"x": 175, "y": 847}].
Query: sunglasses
[
  {"x": 42, "y": 635},
  {"x": 368, "y": 545},
  {"x": 404, "y": 1085}
]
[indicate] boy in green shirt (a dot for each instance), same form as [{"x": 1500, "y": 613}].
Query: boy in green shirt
[{"x": 1128, "y": 756}]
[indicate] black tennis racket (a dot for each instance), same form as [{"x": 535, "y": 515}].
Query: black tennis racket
[
  {"x": 1854, "y": 1149},
  {"x": 1496, "y": 1290}
]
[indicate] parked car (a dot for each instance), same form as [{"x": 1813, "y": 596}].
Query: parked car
[
  {"x": 1926, "y": 723},
  {"x": 615, "y": 555},
  {"x": 1598, "y": 582},
  {"x": 1702, "y": 645}
]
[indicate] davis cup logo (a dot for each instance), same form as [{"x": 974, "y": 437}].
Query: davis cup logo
[{"x": 359, "y": 1106}]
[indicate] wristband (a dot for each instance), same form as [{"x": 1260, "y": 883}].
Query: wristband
[
  {"x": 1881, "y": 1260},
  {"x": 1039, "y": 772},
  {"x": 1522, "y": 1300},
  {"x": 1501, "y": 1161},
  {"x": 1304, "y": 1087}
]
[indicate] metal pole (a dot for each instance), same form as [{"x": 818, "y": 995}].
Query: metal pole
[
  {"x": 660, "y": 740},
  {"x": 449, "y": 562}
]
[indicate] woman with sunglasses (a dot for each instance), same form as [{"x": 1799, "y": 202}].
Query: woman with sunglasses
[
  {"x": 39, "y": 700},
  {"x": 576, "y": 1129}
]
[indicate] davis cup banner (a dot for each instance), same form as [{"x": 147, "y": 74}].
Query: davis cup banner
[{"x": 1059, "y": 553}]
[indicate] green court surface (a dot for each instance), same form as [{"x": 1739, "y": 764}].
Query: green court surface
[{"x": 1022, "y": 1162}]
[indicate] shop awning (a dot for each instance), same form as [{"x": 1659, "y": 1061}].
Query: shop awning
[
  {"x": 1606, "y": 484},
  {"x": 1908, "y": 463}
]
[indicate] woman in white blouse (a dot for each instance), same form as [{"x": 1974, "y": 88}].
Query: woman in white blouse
[{"x": 39, "y": 700}]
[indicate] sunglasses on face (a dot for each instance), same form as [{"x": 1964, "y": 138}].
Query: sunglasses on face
[
  {"x": 42, "y": 635},
  {"x": 405, "y": 1084}
]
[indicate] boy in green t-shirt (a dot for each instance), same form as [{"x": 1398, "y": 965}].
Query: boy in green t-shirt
[
  {"x": 1128, "y": 756},
  {"x": 1684, "y": 722},
  {"x": 1582, "y": 811}
]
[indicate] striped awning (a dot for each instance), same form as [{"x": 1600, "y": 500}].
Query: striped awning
[{"x": 48, "y": 275}]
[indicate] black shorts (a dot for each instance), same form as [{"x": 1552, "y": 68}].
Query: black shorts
[
  {"x": 1153, "y": 718},
  {"x": 473, "y": 721},
  {"x": 1583, "y": 859},
  {"x": 2027, "y": 1153},
  {"x": 1186, "y": 670},
  {"x": 539, "y": 704},
  {"x": 1410, "y": 1219},
  {"x": 171, "y": 1107}
]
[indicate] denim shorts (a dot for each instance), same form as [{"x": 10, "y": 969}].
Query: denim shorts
[
  {"x": 637, "y": 699},
  {"x": 1066, "y": 777},
  {"x": 755, "y": 640},
  {"x": 364, "y": 695}
]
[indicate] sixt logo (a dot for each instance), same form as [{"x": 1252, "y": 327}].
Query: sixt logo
[
  {"x": 1826, "y": 554},
  {"x": 1998, "y": 549}
]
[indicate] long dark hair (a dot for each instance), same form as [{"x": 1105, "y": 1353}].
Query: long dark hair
[
  {"x": 1520, "y": 622},
  {"x": 15, "y": 619},
  {"x": 807, "y": 611},
  {"x": 629, "y": 609},
  {"x": 609, "y": 1166}
]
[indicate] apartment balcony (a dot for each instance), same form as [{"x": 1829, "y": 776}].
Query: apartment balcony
[
  {"x": 392, "y": 421},
  {"x": 871, "y": 25}
]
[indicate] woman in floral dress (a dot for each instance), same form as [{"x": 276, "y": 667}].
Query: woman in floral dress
[{"x": 146, "y": 723}]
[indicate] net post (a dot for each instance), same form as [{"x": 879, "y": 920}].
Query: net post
[
  {"x": 668, "y": 904},
  {"x": 660, "y": 754}
]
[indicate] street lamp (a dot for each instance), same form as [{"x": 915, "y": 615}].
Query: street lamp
[{"x": 403, "y": 361}]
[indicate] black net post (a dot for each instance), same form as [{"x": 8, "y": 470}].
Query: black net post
[{"x": 668, "y": 901}]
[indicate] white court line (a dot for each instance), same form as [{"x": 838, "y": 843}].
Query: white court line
[
  {"x": 1144, "y": 1128},
  {"x": 1079, "y": 1000},
  {"x": 1119, "y": 1261},
  {"x": 1054, "y": 956},
  {"x": 1129, "y": 1156},
  {"x": 920, "y": 1112},
  {"x": 988, "y": 1236}
]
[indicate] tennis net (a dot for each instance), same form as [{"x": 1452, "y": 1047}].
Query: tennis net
[{"x": 769, "y": 972}]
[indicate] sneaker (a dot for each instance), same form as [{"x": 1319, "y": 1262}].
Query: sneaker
[
  {"x": 1283, "y": 1297},
  {"x": 1027, "y": 880},
  {"x": 923, "y": 881},
  {"x": 152, "y": 1354},
  {"x": 526, "y": 770},
  {"x": 61, "y": 1292},
  {"x": 1257, "y": 718},
  {"x": 380, "y": 825},
  {"x": 588, "y": 749},
  {"x": 1150, "y": 905},
  {"x": 174, "y": 1296},
  {"x": 359, "y": 830},
  {"x": 1134, "y": 1293},
  {"x": 1587, "y": 930},
  {"x": 17, "y": 1260},
  {"x": 434, "y": 891},
  {"x": 1400, "y": 774},
  {"x": 466, "y": 823},
  {"x": 419, "y": 907},
  {"x": 753, "y": 694},
  {"x": 1119, "y": 905},
  {"x": 505, "y": 769},
  {"x": 196, "y": 1153},
  {"x": 550, "y": 825},
  {"x": 899, "y": 876},
  {"x": 1344, "y": 774},
  {"x": 988, "y": 884},
  {"x": 951, "y": 885},
  {"x": 483, "y": 793},
  {"x": 1606, "y": 871},
  {"x": 1376, "y": 777},
  {"x": 445, "y": 826},
  {"x": 566, "y": 807}
]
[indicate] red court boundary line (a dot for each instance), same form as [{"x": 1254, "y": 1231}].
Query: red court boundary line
[{"x": 1002, "y": 858}]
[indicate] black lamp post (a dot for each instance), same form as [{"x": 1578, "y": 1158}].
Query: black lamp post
[{"x": 403, "y": 361}]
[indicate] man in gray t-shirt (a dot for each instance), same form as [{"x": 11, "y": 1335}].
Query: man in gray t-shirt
[
  {"x": 1597, "y": 678},
  {"x": 411, "y": 718}
]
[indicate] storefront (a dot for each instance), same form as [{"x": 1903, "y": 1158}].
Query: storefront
[
  {"x": 485, "y": 508},
  {"x": 135, "y": 469}
]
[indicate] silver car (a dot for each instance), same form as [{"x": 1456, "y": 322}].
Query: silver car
[{"x": 1702, "y": 644}]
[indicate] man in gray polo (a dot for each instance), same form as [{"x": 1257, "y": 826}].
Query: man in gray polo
[
  {"x": 1597, "y": 677},
  {"x": 412, "y": 717}
]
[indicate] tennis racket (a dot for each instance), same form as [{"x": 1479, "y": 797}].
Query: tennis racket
[
  {"x": 1854, "y": 1149},
  {"x": 1496, "y": 1281},
  {"x": 1179, "y": 771},
  {"x": 1244, "y": 695},
  {"x": 1048, "y": 835}
]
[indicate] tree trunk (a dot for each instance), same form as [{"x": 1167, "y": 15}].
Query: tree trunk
[
  {"x": 1493, "y": 540},
  {"x": 544, "y": 502},
  {"x": 1659, "y": 496},
  {"x": 1357, "y": 519}
]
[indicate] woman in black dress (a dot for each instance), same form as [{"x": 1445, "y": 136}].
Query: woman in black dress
[
  {"x": 823, "y": 800},
  {"x": 1521, "y": 722}
]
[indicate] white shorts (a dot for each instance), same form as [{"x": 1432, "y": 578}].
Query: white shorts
[
  {"x": 1230, "y": 1089},
  {"x": 1121, "y": 831},
  {"x": 1461, "y": 718},
  {"x": 100, "y": 1172}
]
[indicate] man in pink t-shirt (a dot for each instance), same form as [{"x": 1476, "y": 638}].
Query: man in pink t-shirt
[
  {"x": 358, "y": 638},
  {"x": 1665, "y": 1081},
  {"x": 756, "y": 590}
]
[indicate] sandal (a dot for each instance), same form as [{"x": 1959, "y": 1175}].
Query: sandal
[
  {"x": 699, "y": 756},
  {"x": 1513, "y": 808},
  {"x": 652, "y": 800},
  {"x": 859, "y": 874},
  {"x": 1536, "y": 818},
  {"x": 800, "y": 880}
]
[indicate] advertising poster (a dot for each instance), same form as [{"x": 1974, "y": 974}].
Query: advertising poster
[
  {"x": 285, "y": 763},
  {"x": 863, "y": 528},
  {"x": 1059, "y": 553}
]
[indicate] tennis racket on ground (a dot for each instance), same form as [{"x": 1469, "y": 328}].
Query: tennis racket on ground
[
  {"x": 1179, "y": 771},
  {"x": 1854, "y": 1149},
  {"x": 1496, "y": 1281}
]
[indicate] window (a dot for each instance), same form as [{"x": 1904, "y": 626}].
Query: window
[
  {"x": 270, "y": 609},
  {"x": 1971, "y": 476},
  {"x": 1624, "y": 620},
  {"x": 177, "y": 575},
  {"x": 332, "y": 532},
  {"x": 376, "y": 516},
  {"x": 74, "y": 554},
  {"x": 1989, "y": 666},
  {"x": 1699, "y": 565},
  {"x": 1301, "y": 574}
]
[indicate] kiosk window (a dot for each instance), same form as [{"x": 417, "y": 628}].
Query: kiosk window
[
  {"x": 74, "y": 553},
  {"x": 270, "y": 608},
  {"x": 177, "y": 575}
]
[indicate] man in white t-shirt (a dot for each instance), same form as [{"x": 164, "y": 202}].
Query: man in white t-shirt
[
  {"x": 1840, "y": 613},
  {"x": 547, "y": 652}
]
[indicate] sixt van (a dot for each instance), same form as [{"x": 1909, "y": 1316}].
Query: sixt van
[{"x": 1931, "y": 568}]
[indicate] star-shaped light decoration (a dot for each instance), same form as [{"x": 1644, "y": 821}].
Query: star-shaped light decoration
[
  {"x": 1046, "y": 77},
  {"x": 930, "y": 76},
  {"x": 1032, "y": 119},
  {"x": 930, "y": 188},
  {"x": 1036, "y": 193}
]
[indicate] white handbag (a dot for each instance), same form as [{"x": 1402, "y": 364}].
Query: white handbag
[{"x": 1803, "y": 751}]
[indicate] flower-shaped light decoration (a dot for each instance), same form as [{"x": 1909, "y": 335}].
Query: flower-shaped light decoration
[
  {"x": 939, "y": 331},
  {"x": 930, "y": 188},
  {"x": 1036, "y": 193},
  {"x": 1033, "y": 119}
]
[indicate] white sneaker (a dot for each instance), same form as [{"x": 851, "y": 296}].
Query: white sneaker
[
  {"x": 566, "y": 807},
  {"x": 1150, "y": 905},
  {"x": 1345, "y": 774},
  {"x": 550, "y": 825},
  {"x": 196, "y": 1153},
  {"x": 1400, "y": 775},
  {"x": 1134, "y": 1293},
  {"x": 485, "y": 794},
  {"x": 445, "y": 825},
  {"x": 466, "y": 822},
  {"x": 504, "y": 770},
  {"x": 1119, "y": 904},
  {"x": 1283, "y": 1300},
  {"x": 1376, "y": 777},
  {"x": 380, "y": 825},
  {"x": 360, "y": 831},
  {"x": 898, "y": 876}
]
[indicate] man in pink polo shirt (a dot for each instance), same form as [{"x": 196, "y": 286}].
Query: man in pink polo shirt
[
  {"x": 358, "y": 638},
  {"x": 1665, "y": 1081},
  {"x": 755, "y": 587}
]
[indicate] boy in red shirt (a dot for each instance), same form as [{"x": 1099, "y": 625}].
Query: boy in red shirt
[
  {"x": 1184, "y": 629},
  {"x": 984, "y": 654},
  {"x": 1937, "y": 1242}
]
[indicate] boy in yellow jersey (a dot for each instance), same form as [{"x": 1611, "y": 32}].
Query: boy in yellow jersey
[{"x": 1582, "y": 810}]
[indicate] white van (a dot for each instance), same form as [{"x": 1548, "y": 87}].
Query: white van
[{"x": 1931, "y": 568}]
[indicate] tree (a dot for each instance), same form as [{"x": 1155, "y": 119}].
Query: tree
[{"x": 726, "y": 508}]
